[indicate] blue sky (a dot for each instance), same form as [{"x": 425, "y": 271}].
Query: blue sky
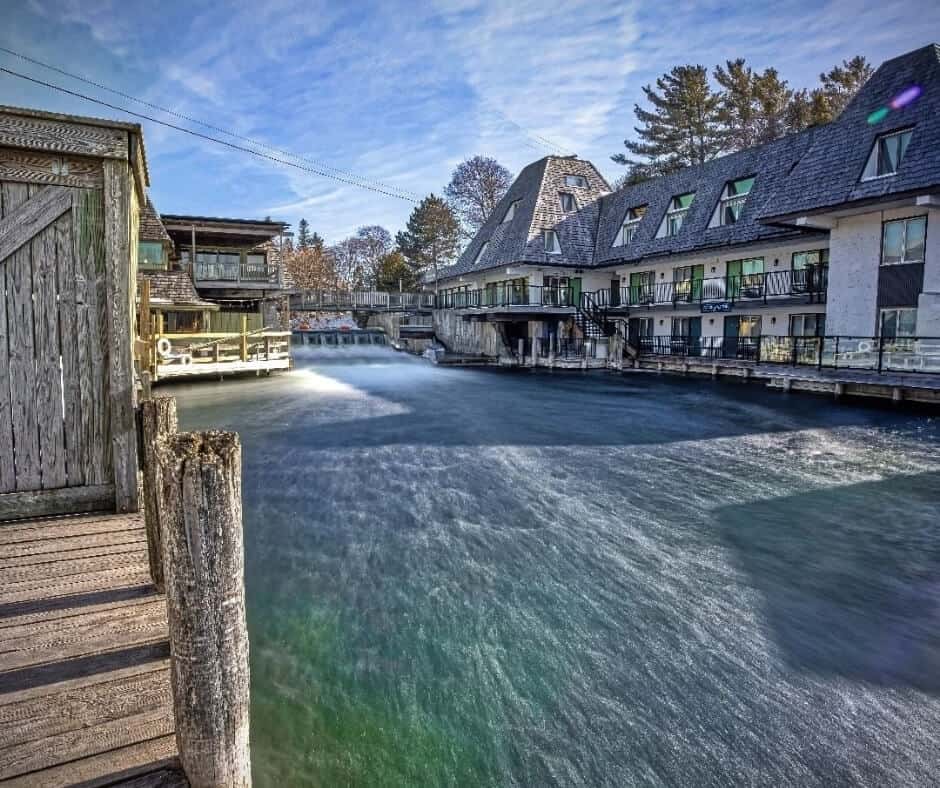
[{"x": 400, "y": 92}]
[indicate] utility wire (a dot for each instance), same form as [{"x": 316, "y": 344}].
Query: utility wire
[
  {"x": 261, "y": 155},
  {"x": 204, "y": 124}
]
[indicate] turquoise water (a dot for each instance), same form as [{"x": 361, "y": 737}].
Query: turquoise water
[{"x": 473, "y": 577}]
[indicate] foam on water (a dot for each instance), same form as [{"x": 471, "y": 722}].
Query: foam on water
[{"x": 470, "y": 577}]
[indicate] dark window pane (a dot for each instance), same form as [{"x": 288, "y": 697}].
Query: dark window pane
[
  {"x": 916, "y": 236},
  {"x": 893, "y": 251}
]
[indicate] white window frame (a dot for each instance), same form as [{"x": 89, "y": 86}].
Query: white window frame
[
  {"x": 510, "y": 212},
  {"x": 479, "y": 256},
  {"x": 553, "y": 247},
  {"x": 576, "y": 181},
  {"x": 897, "y": 310},
  {"x": 561, "y": 202},
  {"x": 672, "y": 214},
  {"x": 726, "y": 199},
  {"x": 906, "y": 222},
  {"x": 871, "y": 173},
  {"x": 629, "y": 226}
]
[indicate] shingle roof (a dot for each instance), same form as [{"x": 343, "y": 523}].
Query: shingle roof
[
  {"x": 538, "y": 207},
  {"x": 770, "y": 165},
  {"x": 151, "y": 228},
  {"x": 829, "y": 172},
  {"x": 173, "y": 287}
]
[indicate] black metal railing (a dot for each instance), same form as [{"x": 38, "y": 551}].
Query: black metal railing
[
  {"x": 878, "y": 354},
  {"x": 506, "y": 295},
  {"x": 811, "y": 282}
]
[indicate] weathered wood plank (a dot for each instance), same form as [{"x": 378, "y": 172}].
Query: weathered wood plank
[
  {"x": 106, "y": 698},
  {"x": 94, "y": 740},
  {"x": 158, "y": 420},
  {"x": 78, "y": 584},
  {"x": 91, "y": 295},
  {"x": 62, "y": 136},
  {"x": 7, "y": 474},
  {"x": 104, "y": 632},
  {"x": 118, "y": 255},
  {"x": 48, "y": 394},
  {"x": 25, "y": 166},
  {"x": 72, "y": 566},
  {"x": 69, "y": 525},
  {"x": 66, "y": 500},
  {"x": 30, "y": 216},
  {"x": 43, "y": 552},
  {"x": 69, "y": 341},
  {"x": 165, "y": 778},
  {"x": 78, "y": 616},
  {"x": 22, "y": 351},
  {"x": 37, "y": 611}
]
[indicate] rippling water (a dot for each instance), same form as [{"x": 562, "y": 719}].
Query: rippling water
[{"x": 473, "y": 577}]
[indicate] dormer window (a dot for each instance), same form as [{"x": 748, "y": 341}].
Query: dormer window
[
  {"x": 886, "y": 154},
  {"x": 731, "y": 204},
  {"x": 675, "y": 215},
  {"x": 577, "y": 181},
  {"x": 550, "y": 240},
  {"x": 629, "y": 227},
  {"x": 483, "y": 248},
  {"x": 510, "y": 211},
  {"x": 567, "y": 202}
]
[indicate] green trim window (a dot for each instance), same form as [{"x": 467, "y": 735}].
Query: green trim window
[
  {"x": 745, "y": 277},
  {"x": 151, "y": 254},
  {"x": 631, "y": 223},
  {"x": 904, "y": 241},
  {"x": 897, "y": 323},
  {"x": 814, "y": 257},
  {"x": 675, "y": 214},
  {"x": 886, "y": 154},
  {"x": 687, "y": 282},
  {"x": 642, "y": 287},
  {"x": 732, "y": 201}
]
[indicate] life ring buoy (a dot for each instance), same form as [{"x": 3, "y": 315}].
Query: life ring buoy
[
  {"x": 185, "y": 359},
  {"x": 864, "y": 346},
  {"x": 164, "y": 348}
]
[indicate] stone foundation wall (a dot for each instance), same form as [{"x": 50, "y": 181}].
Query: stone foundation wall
[{"x": 465, "y": 336}]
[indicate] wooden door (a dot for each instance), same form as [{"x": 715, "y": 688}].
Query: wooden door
[{"x": 55, "y": 420}]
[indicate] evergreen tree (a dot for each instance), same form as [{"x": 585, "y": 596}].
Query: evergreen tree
[
  {"x": 432, "y": 235},
  {"x": 840, "y": 85},
  {"x": 683, "y": 127},
  {"x": 303, "y": 235},
  {"x": 394, "y": 274},
  {"x": 753, "y": 107}
]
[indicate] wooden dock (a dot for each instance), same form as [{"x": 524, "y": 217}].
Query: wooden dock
[{"x": 85, "y": 692}]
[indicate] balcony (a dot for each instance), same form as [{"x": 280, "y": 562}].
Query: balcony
[
  {"x": 246, "y": 275},
  {"x": 802, "y": 285},
  {"x": 512, "y": 296}
]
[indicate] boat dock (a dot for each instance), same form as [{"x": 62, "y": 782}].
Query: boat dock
[{"x": 84, "y": 656}]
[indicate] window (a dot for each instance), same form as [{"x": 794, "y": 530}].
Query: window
[
  {"x": 483, "y": 248},
  {"x": 816, "y": 257},
  {"x": 898, "y": 323},
  {"x": 150, "y": 254},
  {"x": 629, "y": 227},
  {"x": 809, "y": 270},
  {"x": 813, "y": 325},
  {"x": 510, "y": 211},
  {"x": 886, "y": 154},
  {"x": 687, "y": 282},
  {"x": 732, "y": 201},
  {"x": 642, "y": 287},
  {"x": 903, "y": 241},
  {"x": 567, "y": 202},
  {"x": 578, "y": 181},
  {"x": 550, "y": 239},
  {"x": 745, "y": 278},
  {"x": 556, "y": 290},
  {"x": 675, "y": 215},
  {"x": 687, "y": 326}
]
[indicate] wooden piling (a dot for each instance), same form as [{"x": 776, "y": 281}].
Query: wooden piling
[
  {"x": 158, "y": 420},
  {"x": 201, "y": 529}
]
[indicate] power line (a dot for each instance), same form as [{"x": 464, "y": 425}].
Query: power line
[
  {"x": 207, "y": 137},
  {"x": 234, "y": 135}
]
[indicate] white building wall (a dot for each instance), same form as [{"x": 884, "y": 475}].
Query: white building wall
[{"x": 928, "y": 305}]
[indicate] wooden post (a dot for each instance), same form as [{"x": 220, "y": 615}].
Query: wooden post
[
  {"x": 244, "y": 345},
  {"x": 203, "y": 557},
  {"x": 158, "y": 420},
  {"x": 143, "y": 321}
]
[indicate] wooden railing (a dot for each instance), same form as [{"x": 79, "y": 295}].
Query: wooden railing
[{"x": 176, "y": 355}]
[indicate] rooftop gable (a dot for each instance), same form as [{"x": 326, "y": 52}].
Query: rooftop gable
[{"x": 830, "y": 172}]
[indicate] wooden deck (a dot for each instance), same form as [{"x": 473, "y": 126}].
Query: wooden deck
[{"x": 84, "y": 658}]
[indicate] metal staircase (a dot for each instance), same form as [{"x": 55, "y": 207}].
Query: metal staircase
[{"x": 595, "y": 323}]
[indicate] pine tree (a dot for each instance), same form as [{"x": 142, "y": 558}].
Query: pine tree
[
  {"x": 303, "y": 235},
  {"x": 432, "y": 235},
  {"x": 683, "y": 127},
  {"x": 394, "y": 274},
  {"x": 753, "y": 107},
  {"x": 840, "y": 85}
]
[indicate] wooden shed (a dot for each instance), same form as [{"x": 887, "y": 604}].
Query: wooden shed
[{"x": 70, "y": 192}]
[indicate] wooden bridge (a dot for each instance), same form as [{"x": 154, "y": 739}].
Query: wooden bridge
[{"x": 360, "y": 301}]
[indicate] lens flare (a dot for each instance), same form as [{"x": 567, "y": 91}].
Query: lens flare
[
  {"x": 878, "y": 115},
  {"x": 906, "y": 97}
]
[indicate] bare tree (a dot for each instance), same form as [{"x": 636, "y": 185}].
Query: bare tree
[
  {"x": 311, "y": 268},
  {"x": 373, "y": 242},
  {"x": 475, "y": 188}
]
